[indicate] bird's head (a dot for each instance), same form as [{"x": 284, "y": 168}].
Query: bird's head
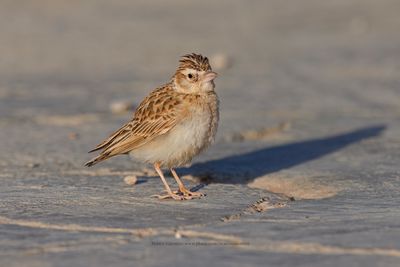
[{"x": 194, "y": 75}]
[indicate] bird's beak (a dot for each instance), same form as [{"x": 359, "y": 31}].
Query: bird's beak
[{"x": 209, "y": 76}]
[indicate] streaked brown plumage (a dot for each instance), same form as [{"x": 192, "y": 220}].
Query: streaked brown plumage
[{"x": 172, "y": 125}]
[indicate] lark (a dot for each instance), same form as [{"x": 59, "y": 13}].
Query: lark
[{"x": 172, "y": 125}]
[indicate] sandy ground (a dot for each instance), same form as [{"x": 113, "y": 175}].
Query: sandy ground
[{"x": 305, "y": 168}]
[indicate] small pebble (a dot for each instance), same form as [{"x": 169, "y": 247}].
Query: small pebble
[
  {"x": 73, "y": 136},
  {"x": 130, "y": 180},
  {"x": 220, "y": 62},
  {"x": 33, "y": 165},
  {"x": 178, "y": 235},
  {"x": 121, "y": 106}
]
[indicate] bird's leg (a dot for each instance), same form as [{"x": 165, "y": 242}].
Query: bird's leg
[
  {"x": 186, "y": 192},
  {"x": 169, "y": 191}
]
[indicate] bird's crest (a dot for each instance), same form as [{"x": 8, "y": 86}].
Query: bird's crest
[{"x": 194, "y": 61}]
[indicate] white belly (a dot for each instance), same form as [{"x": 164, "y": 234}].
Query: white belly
[{"x": 181, "y": 144}]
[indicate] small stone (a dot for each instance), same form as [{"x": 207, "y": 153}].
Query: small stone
[
  {"x": 130, "y": 180},
  {"x": 178, "y": 235},
  {"x": 33, "y": 165},
  {"x": 120, "y": 107},
  {"x": 220, "y": 62},
  {"x": 73, "y": 136}
]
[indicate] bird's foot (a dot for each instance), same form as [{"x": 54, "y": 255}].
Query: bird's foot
[{"x": 186, "y": 192}]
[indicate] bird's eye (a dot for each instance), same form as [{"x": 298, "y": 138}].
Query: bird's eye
[{"x": 190, "y": 76}]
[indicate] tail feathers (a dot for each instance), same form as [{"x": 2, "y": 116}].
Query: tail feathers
[
  {"x": 95, "y": 149},
  {"x": 96, "y": 160}
]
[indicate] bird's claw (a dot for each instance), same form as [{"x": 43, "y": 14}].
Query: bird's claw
[{"x": 187, "y": 193}]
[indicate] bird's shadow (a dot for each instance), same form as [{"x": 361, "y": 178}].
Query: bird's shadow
[{"x": 243, "y": 168}]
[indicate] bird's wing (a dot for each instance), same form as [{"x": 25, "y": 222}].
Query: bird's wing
[
  {"x": 141, "y": 133},
  {"x": 155, "y": 116}
]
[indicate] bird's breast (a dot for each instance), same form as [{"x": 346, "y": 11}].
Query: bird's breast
[{"x": 188, "y": 138}]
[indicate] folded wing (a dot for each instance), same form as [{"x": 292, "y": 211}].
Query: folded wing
[{"x": 155, "y": 116}]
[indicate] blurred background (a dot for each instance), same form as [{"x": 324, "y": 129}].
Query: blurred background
[{"x": 278, "y": 60}]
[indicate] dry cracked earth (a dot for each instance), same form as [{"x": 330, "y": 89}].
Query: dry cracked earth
[{"x": 305, "y": 168}]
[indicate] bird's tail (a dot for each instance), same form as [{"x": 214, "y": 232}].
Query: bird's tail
[{"x": 96, "y": 160}]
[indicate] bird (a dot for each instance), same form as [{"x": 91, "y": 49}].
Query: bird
[{"x": 172, "y": 125}]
